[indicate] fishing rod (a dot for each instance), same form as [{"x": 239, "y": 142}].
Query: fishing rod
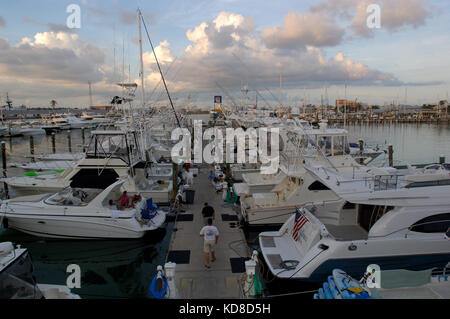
[{"x": 159, "y": 68}]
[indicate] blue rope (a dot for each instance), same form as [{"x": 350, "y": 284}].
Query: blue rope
[{"x": 158, "y": 294}]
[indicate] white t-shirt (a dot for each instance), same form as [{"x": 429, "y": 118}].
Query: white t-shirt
[{"x": 210, "y": 232}]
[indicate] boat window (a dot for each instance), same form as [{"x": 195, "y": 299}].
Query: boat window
[
  {"x": 318, "y": 186},
  {"x": 324, "y": 143},
  {"x": 340, "y": 145},
  {"x": 94, "y": 178},
  {"x": 73, "y": 197},
  {"x": 368, "y": 215},
  {"x": 433, "y": 224},
  {"x": 444, "y": 182},
  {"x": 349, "y": 205}
]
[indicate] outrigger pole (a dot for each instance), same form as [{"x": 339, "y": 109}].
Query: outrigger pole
[{"x": 159, "y": 67}]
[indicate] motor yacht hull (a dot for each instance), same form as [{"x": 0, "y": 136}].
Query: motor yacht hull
[
  {"x": 83, "y": 227},
  {"x": 353, "y": 257}
]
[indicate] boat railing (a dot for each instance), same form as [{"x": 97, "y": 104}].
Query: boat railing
[
  {"x": 410, "y": 228},
  {"x": 381, "y": 182},
  {"x": 293, "y": 160}
]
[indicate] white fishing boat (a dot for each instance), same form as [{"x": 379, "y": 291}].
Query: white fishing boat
[
  {"x": 76, "y": 213},
  {"x": 17, "y": 280},
  {"x": 110, "y": 155},
  {"x": 76, "y": 123},
  {"x": 395, "y": 228},
  {"x": 58, "y": 157},
  {"x": 29, "y": 130},
  {"x": 298, "y": 187},
  {"x": 44, "y": 166},
  {"x": 60, "y": 122}
]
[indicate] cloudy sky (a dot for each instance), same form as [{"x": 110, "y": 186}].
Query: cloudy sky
[{"x": 217, "y": 47}]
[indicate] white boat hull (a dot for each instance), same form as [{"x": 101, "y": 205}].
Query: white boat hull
[{"x": 65, "y": 227}]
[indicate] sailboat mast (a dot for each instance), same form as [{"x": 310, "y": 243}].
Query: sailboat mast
[
  {"x": 304, "y": 102},
  {"x": 90, "y": 94},
  {"x": 141, "y": 57}
]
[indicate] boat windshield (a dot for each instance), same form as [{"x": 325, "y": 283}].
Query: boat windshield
[
  {"x": 73, "y": 197},
  {"x": 333, "y": 145},
  {"x": 17, "y": 282}
]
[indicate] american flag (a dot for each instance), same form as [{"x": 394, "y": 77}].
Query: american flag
[{"x": 300, "y": 221}]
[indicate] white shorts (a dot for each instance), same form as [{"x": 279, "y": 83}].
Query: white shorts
[{"x": 209, "y": 246}]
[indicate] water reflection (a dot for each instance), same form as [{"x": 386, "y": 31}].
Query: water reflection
[
  {"x": 110, "y": 269},
  {"x": 413, "y": 143}
]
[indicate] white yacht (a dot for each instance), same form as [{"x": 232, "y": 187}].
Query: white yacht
[
  {"x": 76, "y": 123},
  {"x": 17, "y": 280},
  {"x": 28, "y": 130},
  {"x": 44, "y": 166},
  {"x": 393, "y": 227},
  {"x": 81, "y": 213},
  {"x": 298, "y": 187},
  {"x": 110, "y": 155}
]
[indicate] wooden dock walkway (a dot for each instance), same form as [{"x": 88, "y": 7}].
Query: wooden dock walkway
[{"x": 192, "y": 279}]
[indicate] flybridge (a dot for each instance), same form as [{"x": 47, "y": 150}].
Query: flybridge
[{"x": 122, "y": 145}]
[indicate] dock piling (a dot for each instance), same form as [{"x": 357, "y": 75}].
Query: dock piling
[
  {"x": 361, "y": 151},
  {"x": 69, "y": 141},
  {"x": 4, "y": 168},
  {"x": 391, "y": 155},
  {"x": 83, "y": 137},
  {"x": 33, "y": 159},
  {"x": 54, "y": 143}
]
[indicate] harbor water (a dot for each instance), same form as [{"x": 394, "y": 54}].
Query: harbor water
[
  {"x": 412, "y": 143},
  {"x": 124, "y": 269}
]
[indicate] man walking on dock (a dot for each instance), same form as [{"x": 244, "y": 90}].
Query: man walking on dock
[
  {"x": 207, "y": 213},
  {"x": 210, "y": 234}
]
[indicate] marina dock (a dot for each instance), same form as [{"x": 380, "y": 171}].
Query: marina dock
[{"x": 192, "y": 279}]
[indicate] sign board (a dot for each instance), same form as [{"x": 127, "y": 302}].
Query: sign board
[{"x": 218, "y": 100}]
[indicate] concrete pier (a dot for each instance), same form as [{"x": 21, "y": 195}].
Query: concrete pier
[{"x": 192, "y": 279}]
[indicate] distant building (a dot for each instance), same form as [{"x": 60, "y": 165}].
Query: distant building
[
  {"x": 101, "y": 108},
  {"x": 349, "y": 104}
]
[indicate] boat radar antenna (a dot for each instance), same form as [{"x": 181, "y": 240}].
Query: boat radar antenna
[
  {"x": 141, "y": 17},
  {"x": 8, "y": 102}
]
